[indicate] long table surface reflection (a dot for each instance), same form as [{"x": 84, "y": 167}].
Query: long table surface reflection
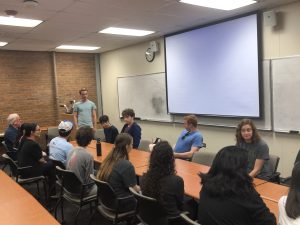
[{"x": 18, "y": 207}]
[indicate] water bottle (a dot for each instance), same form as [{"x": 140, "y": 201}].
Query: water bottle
[{"x": 98, "y": 147}]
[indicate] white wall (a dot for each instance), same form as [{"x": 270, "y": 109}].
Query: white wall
[{"x": 280, "y": 41}]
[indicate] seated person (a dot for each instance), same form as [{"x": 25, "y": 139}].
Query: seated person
[
  {"x": 289, "y": 206},
  {"x": 110, "y": 131},
  {"x": 30, "y": 154},
  {"x": 247, "y": 137},
  {"x": 131, "y": 127},
  {"x": 190, "y": 139},
  {"x": 12, "y": 135},
  {"x": 118, "y": 171},
  {"x": 80, "y": 161},
  {"x": 59, "y": 147},
  {"x": 161, "y": 182},
  {"x": 228, "y": 195}
]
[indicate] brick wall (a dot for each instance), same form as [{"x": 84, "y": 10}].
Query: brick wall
[
  {"x": 28, "y": 88},
  {"x": 75, "y": 71}
]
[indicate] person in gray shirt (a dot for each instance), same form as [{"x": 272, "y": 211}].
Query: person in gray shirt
[
  {"x": 85, "y": 111},
  {"x": 80, "y": 161},
  {"x": 248, "y": 138}
]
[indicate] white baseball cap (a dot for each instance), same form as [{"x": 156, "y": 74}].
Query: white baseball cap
[{"x": 65, "y": 125}]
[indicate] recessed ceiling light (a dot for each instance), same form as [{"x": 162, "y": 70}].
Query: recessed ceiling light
[
  {"x": 220, "y": 4},
  {"x": 3, "y": 43},
  {"x": 74, "y": 47},
  {"x": 19, "y": 22},
  {"x": 125, "y": 31}
]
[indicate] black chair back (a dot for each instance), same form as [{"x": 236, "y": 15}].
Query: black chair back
[
  {"x": 106, "y": 194},
  {"x": 12, "y": 164},
  {"x": 274, "y": 161},
  {"x": 58, "y": 163},
  {"x": 149, "y": 210},
  {"x": 11, "y": 153},
  {"x": 70, "y": 181}
]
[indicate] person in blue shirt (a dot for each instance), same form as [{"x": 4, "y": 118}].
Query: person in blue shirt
[
  {"x": 13, "y": 134},
  {"x": 190, "y": 139},
  {"x": 110, "y": 131},
  {"x": 131, "y": 127},
  {"x": 59, "y": 147}
]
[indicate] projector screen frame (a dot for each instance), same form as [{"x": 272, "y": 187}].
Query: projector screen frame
[{"x": 259, "y": 58}]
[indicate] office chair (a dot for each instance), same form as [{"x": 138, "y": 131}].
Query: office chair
[
  {"x": 109, "y": 203},
  {"x": 73, "y": 191},
  {"x": 274, "y": 161},
  {"x": 144, "y": 145},
  {"x": 16, "y": 173},
  {"x": 203, "y": 157},
  {"x": 149, "y": 212}
]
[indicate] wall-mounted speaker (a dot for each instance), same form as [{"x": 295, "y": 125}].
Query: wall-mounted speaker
[{"x": 270, "y": 19}]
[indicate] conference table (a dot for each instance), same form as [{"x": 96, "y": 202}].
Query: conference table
[
  {"x": 189, "y": 171},
  {"x": 18, "y": 207},
  {"x": 137, "y": 158}
]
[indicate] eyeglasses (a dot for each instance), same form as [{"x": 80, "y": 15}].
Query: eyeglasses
[{"x": 184, "y": 136}]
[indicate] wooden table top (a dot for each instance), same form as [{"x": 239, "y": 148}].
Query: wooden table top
[
  {"x": 136, "y": 157},
  {"x": 273, "y": 206},
  {"x": 272, "y": 191},
  {"x": 19, "y": 207}
]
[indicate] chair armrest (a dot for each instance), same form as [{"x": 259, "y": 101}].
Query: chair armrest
[
  {"x": 24, "y": 167},
  {"x": 125, "y": 198},
  {"x": 275, "y": 177},
  {"x": 186, "y": 218}
]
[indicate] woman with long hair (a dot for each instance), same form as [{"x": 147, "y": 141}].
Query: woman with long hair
[
  {"x": 160, "y": 181},
  {"x": 30, "y": 154},
  {"x": 227, "y": 196},
  {"x": 247, "y": 137},
  {"x": 118, "y": 171},
  {"x": 289, "y": 206}
]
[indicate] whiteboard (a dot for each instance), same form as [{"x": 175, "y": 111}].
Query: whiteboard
[
  {"x": 286, "y": 94},
  {"x": 146, "y": 95},
  {"x": 263, "y": 123}
]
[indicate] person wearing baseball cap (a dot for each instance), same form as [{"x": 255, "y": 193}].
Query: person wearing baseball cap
[{"x": 59, "y": 147}]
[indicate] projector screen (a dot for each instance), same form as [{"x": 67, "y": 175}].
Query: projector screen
[{"x": 214, "y": 70}]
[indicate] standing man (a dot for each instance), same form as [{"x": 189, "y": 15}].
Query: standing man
[
  {"x": 85, "y": 111},
  {"x": 190, "y": 139},
  {"x": 13, "y": 134}
]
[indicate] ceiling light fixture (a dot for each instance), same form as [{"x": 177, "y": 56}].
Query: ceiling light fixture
[
  {"x": 75, "y": 47},
  {"x": 19, "y": 22},
  {"x": 2, "y": 43},
  {"x": 220, "y": 4},
  {"x": 126, "y": 31},
  {"x": 31, "y": 3}
]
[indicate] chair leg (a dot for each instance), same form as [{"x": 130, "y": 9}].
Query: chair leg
[
  {"x": 76, "y": 217},
  {"x": 55, "y": 208},
  {"x": 62, "y": 210},
  {"x": 46, "y": 192},
  {"x": 92, "y": 216},
  {"x": 38, "y": 189}
]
